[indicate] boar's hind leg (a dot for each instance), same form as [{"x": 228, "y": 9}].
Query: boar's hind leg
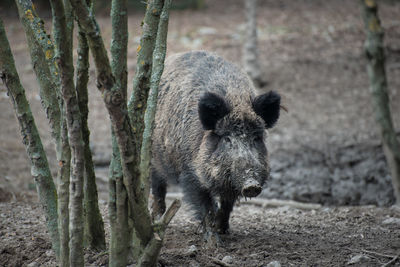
[
  {"x": 159, "y": 190},
  {"x": 222, "y": 219}
]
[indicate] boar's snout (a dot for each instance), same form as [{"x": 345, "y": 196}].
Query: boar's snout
[{"x": 251, "y": 188}]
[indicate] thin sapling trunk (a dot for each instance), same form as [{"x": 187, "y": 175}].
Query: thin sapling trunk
[{"x": 374, "y": 50}]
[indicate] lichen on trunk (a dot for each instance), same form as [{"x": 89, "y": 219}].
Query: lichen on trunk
[
  {"x": 94, "y": 226},
  {"x": 128, "y": 137},
  {"x": 141, "y": 83},
  {"x": 374, "y": 51},
  {"x": 65, "y": 64},
  {"x": 31, "y": 139},
  {"x": 118, "y": 202}
]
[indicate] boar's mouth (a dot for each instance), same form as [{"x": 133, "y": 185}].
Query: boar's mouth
[{"x": 251, "y": 188}]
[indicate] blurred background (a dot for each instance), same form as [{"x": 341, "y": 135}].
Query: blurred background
[{"x": 325, "y": 149}]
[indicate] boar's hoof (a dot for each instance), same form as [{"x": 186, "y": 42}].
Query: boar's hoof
[
  {"x": 251, "y": 188},
  {"x": 223, "y": 231},
  {"x": 212, "y": 239},
  {"x": 222, "y": 226}
]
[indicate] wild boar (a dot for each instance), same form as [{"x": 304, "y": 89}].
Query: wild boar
[{"x": 210, "y": 134}]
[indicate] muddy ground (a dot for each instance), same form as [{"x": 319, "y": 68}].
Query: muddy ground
[
  {"x": 325, "y": 150},
  {"x": 328, "y": 236}
]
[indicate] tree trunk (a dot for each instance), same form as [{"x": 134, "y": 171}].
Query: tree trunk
[
  {"x": 118, "y": 203},
  {"x": 64, "y": 162},
  {"x": 149, "y": 256},
  {"x": 113, "y": 99},
  {"x": 150, "y": 235},
  {"x": 64, "y": 159},
  {"x": 67, "y": 112},
  {"x": 374, "y": 51},
  {"x": 42, "y": 50},
  {"x": 65, "y": 64},
  {"x": 118, "y": 209},
  {"x": 158, "y": 57},
  {"x": 31, "y": 139},
  {"x": 94, "y": 226},
  {"x": 250, "y": 48},
  {"x": 141, "y": 83}
]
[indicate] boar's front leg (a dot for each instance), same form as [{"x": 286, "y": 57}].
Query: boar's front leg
[
  {"x": 201, "y": 199},
  {"x": 159, "y": 190},
  {"x": 224, "y": 211}
]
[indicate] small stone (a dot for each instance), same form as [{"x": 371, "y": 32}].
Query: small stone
[
  {"x": 33, "y": 264},
  {"x": 192, "y": 250},
  {"x": 274, "y": 264},
  {"x": 391, "y": 220},
  {"x": 194, "y": 264},
  {"x": 227, "y": 260},
  {"x": 360, "y": 258}
]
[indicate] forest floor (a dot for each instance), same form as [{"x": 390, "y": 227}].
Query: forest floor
[
  {"x": 326, "y": 236},
  {"x": 325, "y": 150}
]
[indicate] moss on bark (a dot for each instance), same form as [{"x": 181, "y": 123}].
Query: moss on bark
[
  {"x": 374, "y": 50},
  {"x": 31, "y": 139}
]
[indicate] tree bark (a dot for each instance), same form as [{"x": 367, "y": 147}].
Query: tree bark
[
  {"x": 31, "y": 139},
  {"x": 124, "y": 130},
  {"x": 94, "y": 226},
  {"x": 42, "y": 51},
  {"x": 64, "y": 162},
  {"x": 64, "y": 159},
  {"x": 141, "y": 83},
  {"x": 118, "y": 203},
  {"x": 118, "y": 208},
  {"x": 65, "y": 64},
  {"x": 150, "y": 255},
  {"x": 374, "y": 50},
  {"x": 113, "y": 99},
  {"x": 250, "y": 48},
  {"x": 158, "y": 58}
]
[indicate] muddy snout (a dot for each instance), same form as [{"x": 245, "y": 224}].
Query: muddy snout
[{"x": 251, "y": 188}]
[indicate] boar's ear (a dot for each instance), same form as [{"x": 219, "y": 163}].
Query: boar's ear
[
  {"x": 267, "y": 107},
  {"x": 212, "y": 107}
]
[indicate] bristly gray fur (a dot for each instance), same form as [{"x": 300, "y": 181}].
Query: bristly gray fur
[{"x": 209, "y": 164}]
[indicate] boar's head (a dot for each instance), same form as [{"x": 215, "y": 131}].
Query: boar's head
[{"x": 233, "y": 158}]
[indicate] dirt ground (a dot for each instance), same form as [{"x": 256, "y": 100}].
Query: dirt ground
[
  {"x": 325, "y": 150},
  {"x": 328, "y": 236}
]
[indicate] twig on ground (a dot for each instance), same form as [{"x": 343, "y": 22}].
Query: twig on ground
[
  {"x": 266, "y": 202},
  {"x": 280, "y": 203},
  {"x": 373, "y": 254},
  {"x": 391, "y": 261},
  {"x": 378, "y": 254},
  {"x": 220, "y": 262}
]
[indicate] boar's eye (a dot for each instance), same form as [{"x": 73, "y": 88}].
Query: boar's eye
[
  {"x": 213, "y": 140},
  {"x": 258, "y": 139},
  {"x": 267, "y": 106}
]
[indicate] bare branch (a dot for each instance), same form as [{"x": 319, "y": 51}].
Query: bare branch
[{"x": 150, "y": 254}]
